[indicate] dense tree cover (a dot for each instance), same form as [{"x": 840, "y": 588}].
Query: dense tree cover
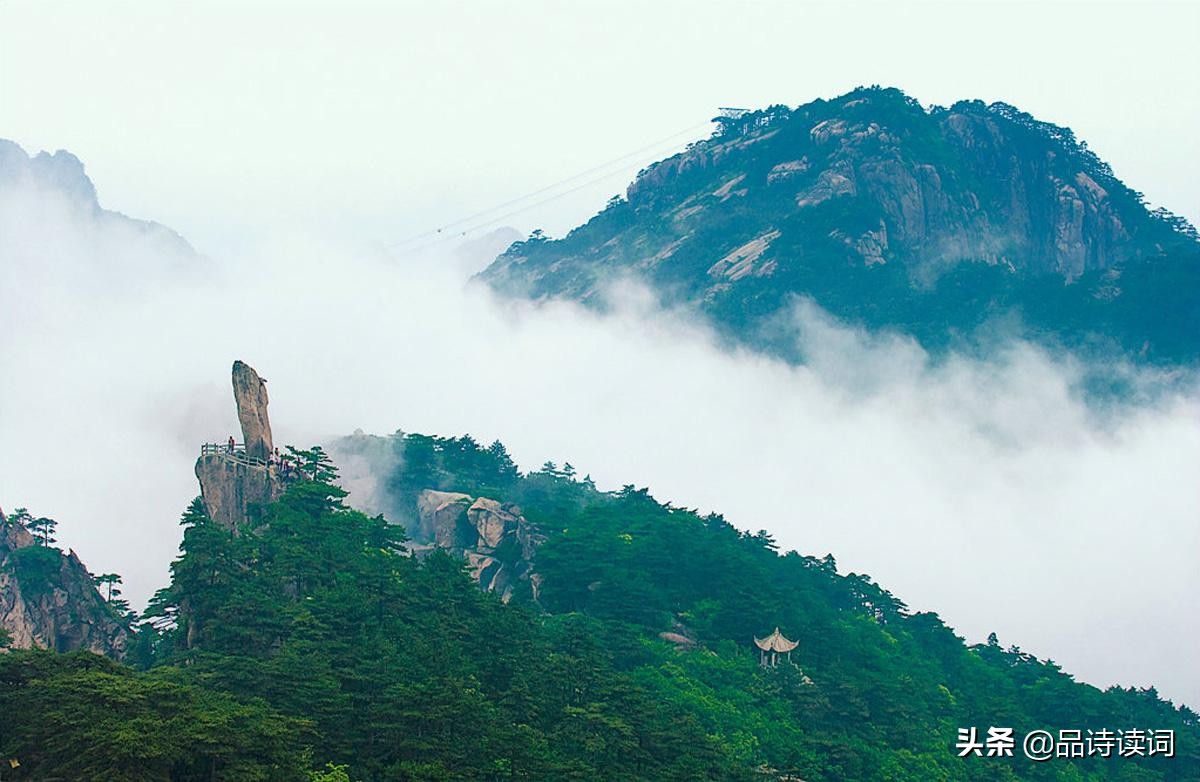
[
  {"x": 314, "y": 641},
  {"x": 1144, "y": 302},
  {"x": 462, "y": 464},
  {"x": 81, "y": 716},
  {"x": 403, "y": 669},
  {"x": 890, "y": 688}
]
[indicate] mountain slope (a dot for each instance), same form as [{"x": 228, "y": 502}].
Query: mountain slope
[
  {"x": 57, "y": 181},
  {"x": 57, "y": 242},
  {"x": 633, "y": 660},
  {"x": 613, "y": 638},
  {"x": 48, "y": 599},
  {"x": 890, "y": 215}
]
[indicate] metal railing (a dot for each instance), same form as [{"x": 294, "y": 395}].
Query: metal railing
[{"x": 235, "y": 453}]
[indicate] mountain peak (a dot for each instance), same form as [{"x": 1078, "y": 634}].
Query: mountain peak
[
  {"x": 237, "y": 480},
  {"x": 60, "y": 171},
  {"x": 889, "y": 214},
  {"x": 48, "y": 598}
]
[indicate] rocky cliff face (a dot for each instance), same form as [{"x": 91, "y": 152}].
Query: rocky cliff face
[
  {"x": 496, "y": 541},
  {"x": 235, "y": 491},
  {"x": 889, "y": 214},
  {"x": 235, "y": 485},
  {"x": 48, "y": 600}
]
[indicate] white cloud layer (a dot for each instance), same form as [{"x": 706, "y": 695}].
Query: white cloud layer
[{"x": 984, "y": 489}]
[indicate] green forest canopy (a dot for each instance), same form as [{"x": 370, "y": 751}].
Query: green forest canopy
[{"x": 315, "y": 642}]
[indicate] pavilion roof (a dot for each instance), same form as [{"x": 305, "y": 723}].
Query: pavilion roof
[{"x": 775, "y": 642}]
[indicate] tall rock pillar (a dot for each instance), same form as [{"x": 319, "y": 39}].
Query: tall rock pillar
[
  {"x": 235, "y": 489},
  {"x": 250, "y": 393}
]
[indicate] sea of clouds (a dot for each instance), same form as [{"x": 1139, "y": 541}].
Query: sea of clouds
[{"x": 984, "y": 488}]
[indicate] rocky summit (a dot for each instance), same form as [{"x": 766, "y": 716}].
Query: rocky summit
[
  {"x": 237, "y": 480},
  {"x": 48, "y": 599},
  {"x": 54, "y": 188},
  {"x": 933, "y": 221}
]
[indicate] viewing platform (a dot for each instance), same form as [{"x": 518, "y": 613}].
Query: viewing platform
[
  {"x": 234, "y": 453},
  {"x": 239, "y": 480}
]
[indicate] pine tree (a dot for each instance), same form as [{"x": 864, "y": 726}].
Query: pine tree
[{"x": 43, "y": 529}]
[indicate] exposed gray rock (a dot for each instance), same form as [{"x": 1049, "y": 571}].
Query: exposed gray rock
[
  {"x": 830, "y": 184},
  {"x": 236, "y": 491},
  {"x": 250, "y": 393},
  {"x": 982, "y": 197},
  {"x": 60, "y": 609},
  {"x": 497, "y": 542},
  {"x": 828, "y": 129},
  {"x": 492, "y": 522},
  {"x": 680, "y": 641},
  {"x": 235, "y": 485},
  {"x": 442, "y": 517},
  {"x": 488, "y": 572},
  {"x": 787, "y": 170}
]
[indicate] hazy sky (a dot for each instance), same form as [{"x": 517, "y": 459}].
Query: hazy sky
[
  {"x": 284, "y": 138},
  {"x": 378, "y": 120}
]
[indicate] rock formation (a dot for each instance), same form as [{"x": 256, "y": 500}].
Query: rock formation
[
  {"x": 887, "y": 214},
  {"x": 250, "y": 394},
  {"x": 48, "y": 599},
  {"x": 236, "y": 485},
  {"x": 442, "y": 518},
  {"x": 497, "y": 542},
  {"x": 235, "y": 491}
]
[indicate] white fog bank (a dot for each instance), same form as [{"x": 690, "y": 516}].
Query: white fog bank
[{"x": 985, "y": 490}]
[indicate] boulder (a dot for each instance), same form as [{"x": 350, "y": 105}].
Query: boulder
[
  {"x": 490, "y": 573},
  {"x": 830, "y": 183},
  {"x": 492, "y": 522},
  {"x": 496, "y": 541},
  {"x": 787, "y": 170},
  {"x": 680, "y": 641},
  {"x": 250, "y": 393},
  {"x": 442, "y": 516}
]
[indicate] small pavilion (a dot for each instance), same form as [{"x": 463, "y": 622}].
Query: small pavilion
[{"x": 772, "y": 646}]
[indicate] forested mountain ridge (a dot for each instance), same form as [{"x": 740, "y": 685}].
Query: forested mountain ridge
[
  {"x": 930, "y": 221},
  {"x": 310, "y": 637}
]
